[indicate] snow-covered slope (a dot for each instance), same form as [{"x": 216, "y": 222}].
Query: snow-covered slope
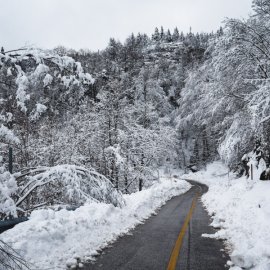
[
  {"x": 240, "y": 208},
  {"x": 54, "y": 240}
]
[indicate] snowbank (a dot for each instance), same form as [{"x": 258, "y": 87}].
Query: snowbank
[
  {"x": 54, "y": 240},
  {"x": 240, "y": 208}
]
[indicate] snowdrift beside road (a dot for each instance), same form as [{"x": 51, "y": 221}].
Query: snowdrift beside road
[
  {"x": 55, "y": 240},
  {"x": 240, "y": 208},
  {"x": 60, "y": 186}
]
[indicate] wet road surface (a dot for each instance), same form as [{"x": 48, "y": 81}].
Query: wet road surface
[{"x": 170, "y": 240}]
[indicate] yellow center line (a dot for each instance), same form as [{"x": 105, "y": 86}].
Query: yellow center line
[{"x": 180, "y": 238}]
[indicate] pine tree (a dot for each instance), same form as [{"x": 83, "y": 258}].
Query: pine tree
[
  {"x": 194, "y": 159},
  {"x": 156, "y": 35},
  {"x": 220, "y": 32},
  {"x": 175, "y": 36},
  {"x": 182, "y": 36},
  {"x": 205, "y": 150},
  {"x": 169, "y": 36},
  {"x": 162, "y": 35},
  {"x": 113, "y": 49}
]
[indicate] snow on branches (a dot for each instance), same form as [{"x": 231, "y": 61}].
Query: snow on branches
[
  {"x": 30, "y": 71},
  {"x": 59, "y": 186},
  {"x": 7, "y": 135},
  {"x": 8, "y": 188},
  {"x": 36, "y": 84}
]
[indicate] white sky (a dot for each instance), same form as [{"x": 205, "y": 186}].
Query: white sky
[{"x": 90, "y": 23}]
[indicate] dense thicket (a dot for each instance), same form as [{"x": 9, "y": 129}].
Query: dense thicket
[
  {"x": 171, "y": 99},
  {"x": 118, "y": 120},
  {"x": 227, "y": 97}
]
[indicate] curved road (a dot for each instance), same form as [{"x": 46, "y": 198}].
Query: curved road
[{"x": 170, "y": 240}]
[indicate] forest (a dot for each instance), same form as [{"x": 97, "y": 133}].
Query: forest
[{"x": 73, "y": 120}]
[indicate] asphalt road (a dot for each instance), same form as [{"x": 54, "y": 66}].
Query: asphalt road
[{"x": 151, "y": 245}]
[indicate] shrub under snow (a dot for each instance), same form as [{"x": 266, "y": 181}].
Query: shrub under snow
[
  {"x": 8, "y": 187},
  {"x": 61, "y": 186}
]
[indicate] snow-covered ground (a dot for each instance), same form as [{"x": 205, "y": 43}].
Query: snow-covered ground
[
  {"x": 241, "y": 210},
  {"x": 55, "y": 240}
]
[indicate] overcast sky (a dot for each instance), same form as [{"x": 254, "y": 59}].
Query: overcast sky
[{"x": 90, "y": 23}]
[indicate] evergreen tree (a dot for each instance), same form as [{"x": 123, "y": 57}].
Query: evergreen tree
[
  {"x": 220, "y": 32},
  {"x": 175, "y": 36},
  {"x": 195, "y": 158},
  {"x": 182, "y": 36},
  {"x": 205, "y": 147},
  {"x": 168, "y": 36},
  {"x": 162, "y": 34},
  {"x": 156, "y": 35}
]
